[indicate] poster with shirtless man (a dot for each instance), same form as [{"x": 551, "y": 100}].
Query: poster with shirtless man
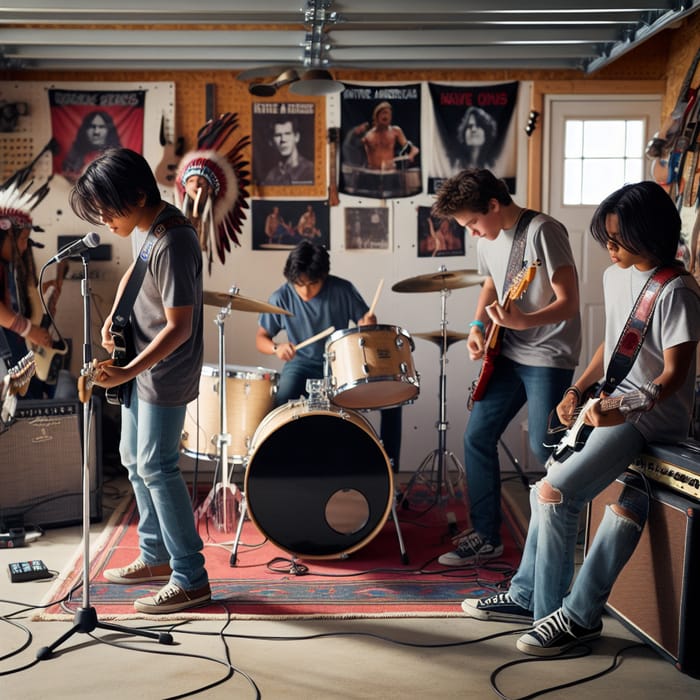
[{"x": 380, "y": 141}]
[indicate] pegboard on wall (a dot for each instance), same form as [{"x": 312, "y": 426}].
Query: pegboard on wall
[{"x": 31, "y": 133}]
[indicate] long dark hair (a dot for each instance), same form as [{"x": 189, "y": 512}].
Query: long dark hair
[{"x": 648, "y": 219}]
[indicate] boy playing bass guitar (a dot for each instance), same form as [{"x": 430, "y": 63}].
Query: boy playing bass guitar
[{"x": 538, "y": 350}]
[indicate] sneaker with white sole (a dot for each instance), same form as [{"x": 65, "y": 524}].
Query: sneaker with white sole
[
  {"x": 470, "y": 549},
  {"x": 173, "y": 598},
  {"x": 555, "y": 634},
  {"x": 497, "y": 608},
  {"x": 139, "y": 572}
]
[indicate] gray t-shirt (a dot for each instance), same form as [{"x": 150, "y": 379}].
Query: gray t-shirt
[
  {"x": 676, "y": 320},
  {"x": 553, "y": 345},
  {"x": 173, "y": 278}
]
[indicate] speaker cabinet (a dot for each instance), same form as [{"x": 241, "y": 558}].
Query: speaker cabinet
[
  {"x": 41, "y": 465},
  {"x": 657, "y": 594}
]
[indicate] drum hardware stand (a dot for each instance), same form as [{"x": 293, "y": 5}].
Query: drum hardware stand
[
  {"x": 86, "y": 620},
  {"x": 434, "y": 470},
  {"x": 318, "y": 399},
  {"x": 221, "y": 500}
]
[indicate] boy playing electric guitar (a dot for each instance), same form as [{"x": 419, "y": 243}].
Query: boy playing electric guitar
[{"x": 640, "y": 227}]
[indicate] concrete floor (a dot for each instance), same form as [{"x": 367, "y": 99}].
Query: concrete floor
[{"x": 318, "y": 659}]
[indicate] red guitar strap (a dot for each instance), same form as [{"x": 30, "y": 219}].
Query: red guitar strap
[{"x": 632, "y": 336}]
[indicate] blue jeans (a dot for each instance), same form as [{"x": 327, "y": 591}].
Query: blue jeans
[
  {"x": 510, "y": 386},
  {"x": 149, "y": 449},
  {"x": 547, "y": 565}
]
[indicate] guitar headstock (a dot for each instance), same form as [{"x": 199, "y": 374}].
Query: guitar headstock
[
  {"x": 86, "y": 380},
  {"x": 16, "y": 382},
  {"x": 522, "y": 280}
]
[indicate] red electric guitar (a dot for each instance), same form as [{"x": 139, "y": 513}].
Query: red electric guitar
[{"x": 519, "y": 285}]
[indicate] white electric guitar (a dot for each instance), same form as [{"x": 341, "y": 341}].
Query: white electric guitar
[{"x": 577, "y": 434}]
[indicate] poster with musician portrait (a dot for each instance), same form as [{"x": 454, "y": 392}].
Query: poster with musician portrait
[
  {"x": 439, "y": 237},
  {"x": 85, "y": 123},
  {"x": 283, "y": 146},
  {"x": 281, "y": 224},
  {"x": 367, "y": 228},
  {"x": 474, "y": 128},
  {"x": 380, "y": 141}
]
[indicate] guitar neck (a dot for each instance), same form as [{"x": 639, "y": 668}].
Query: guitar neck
[{"x": 333, "y": 199}]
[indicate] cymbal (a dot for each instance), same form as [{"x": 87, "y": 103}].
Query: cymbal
[
  {"x": 436, "y": 337},
  {"x": 240, "y": 303},
  {"x": 436, "y": 281}
]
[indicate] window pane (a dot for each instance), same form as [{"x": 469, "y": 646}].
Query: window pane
[
  {"x": 634, "y": 169},
  {"x": 572, "y": 181},
  {"x": 603, "y": 139},
  {"x": 635, "y": 138},
  {"x": 573, "y": 139},
  {"x": 601, "y": 176}
]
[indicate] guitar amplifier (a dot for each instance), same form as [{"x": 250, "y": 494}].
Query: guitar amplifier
[
  {"x": 656, "y": 594},
  {"x": 41, "y": 465},
  {"x": 675, "y": 466}
]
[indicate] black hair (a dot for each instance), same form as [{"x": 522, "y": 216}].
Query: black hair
[
  {"x": 648, "y": 220},
  {"x": 112, "y": 185},
  {"x": 307, "y": 259}
]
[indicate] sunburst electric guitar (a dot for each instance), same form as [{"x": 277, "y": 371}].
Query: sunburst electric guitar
[{"x": 518, "y": 286}]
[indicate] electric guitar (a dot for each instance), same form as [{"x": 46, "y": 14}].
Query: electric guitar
[
  {"x": 333, "y": 138},
  {"x": 576, "y": 436},
  {"x": 48, "y": 361},
  {"x": 123, "y": 352},
  {"x": 518, "y": 286},
  {"x": 15, "y": 383}
]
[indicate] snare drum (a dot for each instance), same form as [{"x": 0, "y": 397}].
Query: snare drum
[
  {"x": 318, "y": 483},
  {"x": 250, "y": 395},
  {"x": 371, "y": 367}
]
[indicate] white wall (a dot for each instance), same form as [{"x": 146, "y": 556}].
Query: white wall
[{"x": 257, "y": 273}]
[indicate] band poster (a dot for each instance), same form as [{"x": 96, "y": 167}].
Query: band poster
[
  {"x": 87, "y": 122},
  {"x": 380, "y": 141},
  {"x": 474, "y": 128},
  {"x": 283, "y": 144},
  {"x": 282, "y": 224}
]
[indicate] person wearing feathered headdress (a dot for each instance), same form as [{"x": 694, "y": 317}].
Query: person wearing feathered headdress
[
  {"x": 17, "y": 271},
  {"x": 211, "y": 186}
]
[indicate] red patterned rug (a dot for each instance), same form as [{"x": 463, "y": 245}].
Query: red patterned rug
[{"x": 378, "y": 578}]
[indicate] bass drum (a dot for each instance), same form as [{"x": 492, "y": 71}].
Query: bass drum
[{"x": 318, "y": 482}]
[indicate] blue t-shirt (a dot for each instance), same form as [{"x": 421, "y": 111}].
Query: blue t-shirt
[{"x": 337, "y": 304}]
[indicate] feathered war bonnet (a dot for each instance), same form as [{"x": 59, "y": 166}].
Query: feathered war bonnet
[
  {"x": 211, "y": 186},
  {"x": 18, "y": 199}
]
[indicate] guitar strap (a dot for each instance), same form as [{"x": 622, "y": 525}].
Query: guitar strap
[
  {"x": 120, "y": 318},
  {"x": 516, "y": 261},
  {"x": 632, "y": 336}
]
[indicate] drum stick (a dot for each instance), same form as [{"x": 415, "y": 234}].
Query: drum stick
[
  {"x": 376, "y": 296},
  {"x": 314, "y": 338}
]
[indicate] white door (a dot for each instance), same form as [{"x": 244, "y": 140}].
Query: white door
[{"x": 594, "y": 144}]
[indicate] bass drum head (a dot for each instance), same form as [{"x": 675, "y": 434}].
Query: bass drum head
[{"x": 318, "y": 483}]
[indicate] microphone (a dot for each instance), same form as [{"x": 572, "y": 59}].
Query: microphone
[{"x": 90, "y": 240}]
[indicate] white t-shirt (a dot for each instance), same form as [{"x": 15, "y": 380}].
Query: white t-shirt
[
  {"x": 676, "y": 320},
  {"x": 553, "y": 345}
]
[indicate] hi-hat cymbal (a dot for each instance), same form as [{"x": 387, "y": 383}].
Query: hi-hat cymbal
[
  {"x": 240, "y": 303},
  {"x": 437, "y": 281},
  {"x": 436, "y": 337}
]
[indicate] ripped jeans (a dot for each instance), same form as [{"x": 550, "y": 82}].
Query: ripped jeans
[{"x": 547, "y": 565}]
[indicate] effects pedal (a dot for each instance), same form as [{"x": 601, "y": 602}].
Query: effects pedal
[{"x": 28, "y": 570}]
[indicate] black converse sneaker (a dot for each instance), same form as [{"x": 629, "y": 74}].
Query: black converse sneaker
[
  {"x": 555, "y": 634},
  {"x": 499, "y": 608},
  {"x": 470, "y": 549}
]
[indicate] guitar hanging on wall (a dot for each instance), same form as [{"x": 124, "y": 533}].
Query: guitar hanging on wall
[{"x": 333, "y": 139}]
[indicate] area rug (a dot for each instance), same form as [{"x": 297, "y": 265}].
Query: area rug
[{"x": 379, "y": 578}]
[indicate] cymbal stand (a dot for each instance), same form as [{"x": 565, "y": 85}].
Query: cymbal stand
[
  {"x": 86, "y": 619},
  {"x": 441, "y": 471}
]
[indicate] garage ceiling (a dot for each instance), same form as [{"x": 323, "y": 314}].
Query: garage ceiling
[{"x": 261, "y": 36}]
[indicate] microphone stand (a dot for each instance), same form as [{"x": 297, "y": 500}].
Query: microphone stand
[{"x": 86, "y": 619}]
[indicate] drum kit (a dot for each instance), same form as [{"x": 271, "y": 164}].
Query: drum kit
[{"x": 318, "y": 482}]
